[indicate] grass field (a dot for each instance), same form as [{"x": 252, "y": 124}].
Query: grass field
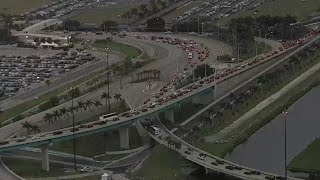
[
  {"x": 32, "y": 168},
  {"x": 308, "y": 160},
  {"x": 162, "y": 164},
  {"x": 130, "y": 51},
  {"x": 98, "y": 15},
  {"x": 280, "y": 8},
  {"x": 179, "y": 11},
  {"x": 20, "y": 6}
]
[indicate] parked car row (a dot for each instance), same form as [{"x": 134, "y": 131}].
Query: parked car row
[
  {"x": 21, "y": 71},
  {"x": 59, "y": 9}
]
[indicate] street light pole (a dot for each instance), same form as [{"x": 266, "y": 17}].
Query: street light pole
[
  {"x": 108, "y": 83},
  {"x": 285, "y": 143},
  {"x": 74, "y": 139}
]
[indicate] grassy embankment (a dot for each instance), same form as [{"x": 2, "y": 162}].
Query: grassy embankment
[
  {"x": 262, "y": 118},
  {"x": 308, "y": 160},
  {"x": 31, "y": 168},
  {"x": 130, "y": 51}
]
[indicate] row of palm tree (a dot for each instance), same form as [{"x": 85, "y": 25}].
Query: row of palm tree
[
  {"x": 267, "y": 80},
  {"x": 31, "y": 128},
  {"x": 146, "y": 74},
  {"x": 80, "y": 105}
]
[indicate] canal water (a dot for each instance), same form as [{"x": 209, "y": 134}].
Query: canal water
[{"x": 265, "y": 149}]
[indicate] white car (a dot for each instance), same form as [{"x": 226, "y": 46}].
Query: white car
[
  {"x": 86, "y": 169},
  {"x": 202, "y": 156},
  {"x": 35, "y": 137}
]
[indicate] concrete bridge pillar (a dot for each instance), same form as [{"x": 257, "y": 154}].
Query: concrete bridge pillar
[
  {"x": 45, "y": 157},
  {"x": 207, "y": 171},
  {"x": 141, "y": 130},
  {"x": 169, "y": 114},
  {"x": 124, "y": 138},
  {"x": 204, "y": 98}
]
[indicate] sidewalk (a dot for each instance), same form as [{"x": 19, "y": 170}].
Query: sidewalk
[{"x": 247, "y": 118}]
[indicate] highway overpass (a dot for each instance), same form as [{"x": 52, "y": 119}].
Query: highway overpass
[
  {"x": 210, "y": 162},
  {"x": 41, "y": 25},
  {"x": 145, "y": 111}
]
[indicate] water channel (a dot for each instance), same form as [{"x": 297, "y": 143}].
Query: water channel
[{"x": 265, "y": 149}]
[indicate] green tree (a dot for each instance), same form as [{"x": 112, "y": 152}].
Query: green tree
[
  {"x": 26, "y": 125},
  {"x": 48, "y": 118},
  {"x": 48, "y": 82},
  {"x": 97, "y": 103},
  {"x": 71, "y": 25},
  {"x": 56, "y": 115},
  {"x": 35, "y": 129},
  {"x": 89, "y": 103}
]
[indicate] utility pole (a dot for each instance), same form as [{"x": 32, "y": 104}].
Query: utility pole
[
  {"x": 108, "y": 83},
  {"x": 74, "y": 138},
  {"x": 218, "y": 30},
  {"x": 285, "y": 143},
  {"x": 238, "y": 54}
]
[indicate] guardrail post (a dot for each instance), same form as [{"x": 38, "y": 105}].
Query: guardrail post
[
  {"x": 124, "y": 138},
  {"x": 45, "y": 157}
]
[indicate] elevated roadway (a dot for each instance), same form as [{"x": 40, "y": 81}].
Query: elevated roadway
[
  {"x": 126, "y": 121},
  {"x": 41, "y": 25},
  {"x": 210, "y": 162}
]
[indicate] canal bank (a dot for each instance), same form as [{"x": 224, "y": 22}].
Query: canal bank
[{"x": 265, "y": 149}]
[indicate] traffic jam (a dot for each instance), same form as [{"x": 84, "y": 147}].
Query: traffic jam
[{"x": 162, "y": 101}]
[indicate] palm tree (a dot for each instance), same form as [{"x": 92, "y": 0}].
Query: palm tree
[
  {"x": 56, "y": 115},
  {"x": 48, "y": 118},
  {"x": 117, "y": 97},
  {"x": 64, "y": 112},
  {"x": 89, "y": 103},
  {"x": 35, "y": 129},
  {"x": 70, "y": 109},
  {"x": 81, "y": 105},
  {"x": 97, "y": 103},
  {"x": 26, "y": 125},
  {"x": 105, "y": 96}
]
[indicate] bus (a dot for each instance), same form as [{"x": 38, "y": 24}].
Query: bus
[
  {"x": 155, "y": 130},
  {"x": 109, "y": 117}
]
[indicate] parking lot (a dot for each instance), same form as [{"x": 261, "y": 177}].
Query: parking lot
[
  {"x": 215, "y": 9},
  {"x": 20, "y": 72},
  {"x": 62, "y": 9}
]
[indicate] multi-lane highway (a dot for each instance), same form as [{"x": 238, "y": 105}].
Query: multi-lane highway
[
  {"x": 151, "y": 109},
  {"x": 209, "y": 161}
]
